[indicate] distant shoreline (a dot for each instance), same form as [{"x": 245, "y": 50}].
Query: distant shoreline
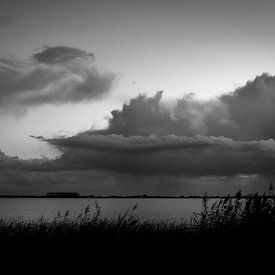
[{"x": 130, "y": 197}]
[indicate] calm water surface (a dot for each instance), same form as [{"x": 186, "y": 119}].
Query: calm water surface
[{"x": 159, "y": 209}]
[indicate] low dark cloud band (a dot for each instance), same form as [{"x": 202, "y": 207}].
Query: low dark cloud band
[{"x": 168, "y": 155}]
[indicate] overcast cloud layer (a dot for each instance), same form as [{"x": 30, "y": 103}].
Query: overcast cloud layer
[{"x": 56, "y": 75}]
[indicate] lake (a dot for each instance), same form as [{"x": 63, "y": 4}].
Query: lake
[{"x": 172, "y": 210}]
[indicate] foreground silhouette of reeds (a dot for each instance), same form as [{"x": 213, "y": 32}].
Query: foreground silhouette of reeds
[{"x": 226, "y": 233}]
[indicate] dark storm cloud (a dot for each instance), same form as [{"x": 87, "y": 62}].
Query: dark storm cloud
[
  {"x": 248, "y": 113},
  {"x": 231, "y": 136},
  {"x": 56, "y": 75},
  {"x": 166, "y": 155},
  {"x": 27, "y": 177},
  {"x": 131, "y": 165},
  {"x": 228, "y": 136},
  {"x": 252, "y": 109}
]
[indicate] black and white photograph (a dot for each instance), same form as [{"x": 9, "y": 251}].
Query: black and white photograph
[{"x": 137, "y": 137}]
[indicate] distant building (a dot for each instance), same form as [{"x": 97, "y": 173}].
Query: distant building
[{"x": 63, "y": 195}]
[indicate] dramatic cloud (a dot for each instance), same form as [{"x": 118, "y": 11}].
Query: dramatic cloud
[
  {"x": 169, "y": 165},
  {"x": 147, "y": 115},
  {"x": 167, "y": 155},
  {"x": 55, "y": 75},
  {"x": 245, "y": 114},
  {"x": 150, "y": 144},
  {"x": 228, "y": 136},
  {"x": 252, "y": 109}
]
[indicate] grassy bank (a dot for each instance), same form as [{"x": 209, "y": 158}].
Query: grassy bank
[{"x": 227, "y": 233}]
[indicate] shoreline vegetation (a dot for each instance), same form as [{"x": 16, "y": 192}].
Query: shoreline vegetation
[{"x": 229, "y": 232}]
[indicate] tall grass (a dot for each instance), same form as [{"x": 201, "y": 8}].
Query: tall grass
[
  {"x": 93, "y": 244},
  {"x": 229, "y": 212}
]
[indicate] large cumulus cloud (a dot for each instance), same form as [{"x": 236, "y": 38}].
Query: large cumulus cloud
[
  {"x": 248, "y": 113},
  {"x": 55, "y": 75},
  {"x": 149, "y": 115},
  {"x": 252, "y": 109}
]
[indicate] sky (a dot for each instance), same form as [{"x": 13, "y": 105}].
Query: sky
[{"x": 132, "y": 97}]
